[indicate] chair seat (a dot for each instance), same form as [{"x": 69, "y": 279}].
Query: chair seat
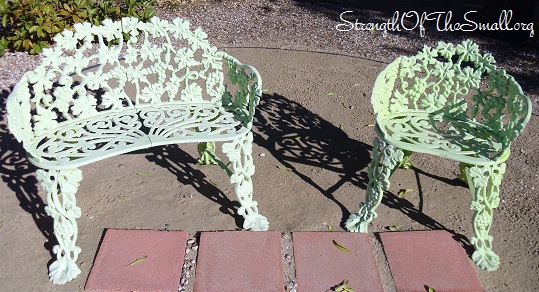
[
  {"x": 76, "y": 143},
  {"x": 438, "y": 134}
]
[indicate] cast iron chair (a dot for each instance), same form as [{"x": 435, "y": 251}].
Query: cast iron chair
[{"x": 450, "y": 101}]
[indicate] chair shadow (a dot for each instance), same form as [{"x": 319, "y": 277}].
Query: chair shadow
[
  {"x": 407, "y": 208},
  {"x": 293, "y": 134},
  {"x": 19, "y": 175},
  {"x": 179, "y": 162}
]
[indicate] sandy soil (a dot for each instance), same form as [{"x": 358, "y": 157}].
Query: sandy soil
[{"x": 314, "y": 118}]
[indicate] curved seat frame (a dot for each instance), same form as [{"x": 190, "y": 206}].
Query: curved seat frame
[
  {"x": 449, "y": 101},
  {"x": 105, "y": 90}
]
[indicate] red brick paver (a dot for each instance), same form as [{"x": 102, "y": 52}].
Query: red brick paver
[
  {"x": 320, "y": 265},
  {"x": 432, "y": 258},
  {"x": 160, "y": 270},
  {"x": 239, "y": 261}
]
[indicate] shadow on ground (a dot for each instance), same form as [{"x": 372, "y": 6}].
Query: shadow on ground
[
  {"x": 295, "y": 135},
  {"x": 19, "y": 175},
  {"x": 180, "y": 164}
]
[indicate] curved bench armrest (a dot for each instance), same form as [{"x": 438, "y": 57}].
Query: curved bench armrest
[
  {"x": 19, "y": 114},
  {"x": 243, "y": 93}
]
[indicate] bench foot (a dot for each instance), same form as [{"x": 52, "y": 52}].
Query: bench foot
[
  {"x": 484, "y": 183},
  {"x": 239, "y": 152},
  {"x": 385, "y": 159},
  {"x": 61, "y": 187}
]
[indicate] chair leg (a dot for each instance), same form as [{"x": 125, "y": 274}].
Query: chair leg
[
  {"x": 206, "y": 150},
  {"x": 484, "y": 183},
  {"x": 239, "y": 152},
  {"x": 385, "y": 160},
  {"x": 61, "y": 187}
]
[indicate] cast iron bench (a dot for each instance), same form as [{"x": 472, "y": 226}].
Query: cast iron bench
[
  {"x": 105, "y": 90},
  {"x": 450, "y": 101}
]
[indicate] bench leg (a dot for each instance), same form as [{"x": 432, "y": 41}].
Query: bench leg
[
  {"x": 484, "y": 183},
  {"x": 385, "y": 159},
  {"x": 61, "y": 187},
  {"x": 239, "y": 152},
  {"x": 206, "y": 150}
]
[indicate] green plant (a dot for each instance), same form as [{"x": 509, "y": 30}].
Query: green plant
[
  {"x": 30, "y": 25},
  {"x": 406, "y": 162}
]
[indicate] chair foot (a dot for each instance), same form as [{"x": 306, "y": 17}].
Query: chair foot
[
  {"x": 255, "y": 222},
  {"x": 239, "y": 152},
  {"x": 65, "y": 268},
  {"x": 61, "y": 187},
  {"x": 385, "y": 159},
  {"x": 356, "y": 223},
  {"x": 486, "y": 259}
]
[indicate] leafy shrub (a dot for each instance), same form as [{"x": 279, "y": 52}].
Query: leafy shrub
[{"x": 29, "y": 25}]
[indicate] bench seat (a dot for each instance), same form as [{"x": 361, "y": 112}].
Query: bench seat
[{"x": 83, "y": 141}]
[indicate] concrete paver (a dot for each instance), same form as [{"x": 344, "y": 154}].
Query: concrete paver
[
  {"x": 432, "y": 258},
  {"x": 161, "y": 255},
  {"x": 239, "y": 261},
  {"x": 320, "y": 265}
]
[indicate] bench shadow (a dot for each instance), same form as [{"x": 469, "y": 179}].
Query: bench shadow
[
  {"x": 295, "y": 135},
  {"x": 179, "y": 162},
  {"x": 19, "y": 175}
]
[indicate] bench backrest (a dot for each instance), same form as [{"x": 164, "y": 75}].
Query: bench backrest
[
  {"x": 120, "y": 65},
  {"x": 456, "y": 81}
]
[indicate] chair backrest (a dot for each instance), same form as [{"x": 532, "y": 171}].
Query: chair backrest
[
  {"x": 116, "y": 66},
  {"x": 456, "y": 81}
]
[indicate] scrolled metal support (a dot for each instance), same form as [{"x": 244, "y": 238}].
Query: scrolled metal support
[
  {"x": 385, "y": 160},
  {"x": 239, "y": 152},
  {"x": 61, "y": 187},
  {"x": 484, "y": 183}
]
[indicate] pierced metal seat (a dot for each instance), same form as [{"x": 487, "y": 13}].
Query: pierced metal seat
[
  {"x": 450, "y": 101},
  {"x": 442, "y": 135},
  {"x": 126, "y": 85},
  {"x": 79, "y": 142}
]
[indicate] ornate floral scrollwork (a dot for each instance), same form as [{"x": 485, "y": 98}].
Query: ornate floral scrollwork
[
  {"x": 484, "y": 183},
  {"x": 61, "y": 187},
  {"x": 239, "y": 152},
  {"x": 385, "y": 160}
]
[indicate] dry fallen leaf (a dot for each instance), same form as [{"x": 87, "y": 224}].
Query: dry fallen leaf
[
  {"x": 340, "y": 246},
  {"x": 343, "y": 287},
  {"x": 138, "y": 261},
  {"x": 285, "y": 168},
  {"x": 403, "y": 192}
]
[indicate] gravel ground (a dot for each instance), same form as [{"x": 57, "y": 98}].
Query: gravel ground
[{"x": 311, "y": 26}]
